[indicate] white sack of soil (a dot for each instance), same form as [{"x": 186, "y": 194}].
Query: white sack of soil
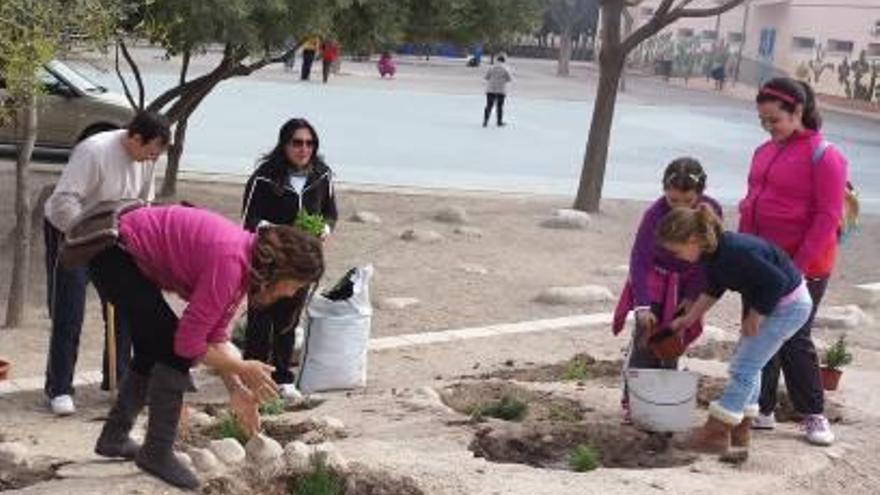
[{"x": 337, "y": 335}]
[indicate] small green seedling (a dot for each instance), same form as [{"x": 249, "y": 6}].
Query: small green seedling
[
  {"x": 584, "y": 458},
  {"x": 274, "y": 407},
  {"x": 312, "y": 224},
  {"x": 576, "y": 371},
  {"x": 837, "y": 356},
  {"x": 229, "y": 428},
  {"x": 508, "y": 408},
  {"x": 320, "y": 480}
]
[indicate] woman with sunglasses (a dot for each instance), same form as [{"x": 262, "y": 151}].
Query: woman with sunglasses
[
  {"x": 289, "y": 179},
  {"x": 660, "y": 285},
  {"x": 795, "y": 200}
]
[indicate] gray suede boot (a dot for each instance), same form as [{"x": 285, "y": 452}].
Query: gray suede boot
[
  {"x": 114, "y": 440},
  {"x": 156, "y": 456}
]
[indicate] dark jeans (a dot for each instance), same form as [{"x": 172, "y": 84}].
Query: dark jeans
[
  {"x": 66, "y": 300},
  {"x": 153, "y": 322},
  {"x": 326, "y": 66},
  {"x": 306, "y": 69},
  {"x": 271, "y": 334},
  {"x": 800, "y": 363},
  {"x": 497, "y": 100}
]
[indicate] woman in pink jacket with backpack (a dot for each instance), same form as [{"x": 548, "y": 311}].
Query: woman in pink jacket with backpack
[{"x": 795, "y": 200}]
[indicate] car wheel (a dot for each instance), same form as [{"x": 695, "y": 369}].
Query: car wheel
[{"x": 95, "y": 129}]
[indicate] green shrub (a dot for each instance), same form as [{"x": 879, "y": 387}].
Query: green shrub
[
  {"x": 274, "y": 407},
  {"x": 321, "y": 480},
  {"x": 837, "y": 356},
  {"x": 229, "y": 428},
  {"x": 313, "y": 224},
  {"x": 508, "y": 408},
  {"x": 576, "y": 371},
  {"x": 584, "y": 458}
]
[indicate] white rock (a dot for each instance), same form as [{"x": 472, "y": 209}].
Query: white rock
[
  {"x": 868, "y": 295},
  {"x": 13, "y": 454},
  {"x": 332, "y": 457},
  {"x": 473, "y": 269},
  {"x": 365, "y": 217},
  {"x": 184, "y": 458},
  {"x": 205, "y": 461},
  {"x": 468, "y": 232},
  {"x": 424, "y": 236},
  {"x": 841, "y": 317},
  {"x": 262, "y": 450},
  {"x": 297, "y": 456},
  {"x": 452, "y": 214},
  {"x": 586, "y": 294},
  {"x": 228, "y": 450},
  {"x": 200, "y": 419},
  {"x": 392, "y": 303},
  {"x": 328, "y": 424},
  {"x": 712, "y": 333},
  {"x": 567, "y": 219}
]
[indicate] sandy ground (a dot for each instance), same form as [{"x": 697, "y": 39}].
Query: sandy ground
[{"x": 391, "y": 428}]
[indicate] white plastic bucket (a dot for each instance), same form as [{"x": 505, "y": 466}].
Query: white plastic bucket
[{"x": 662, "y": 400}]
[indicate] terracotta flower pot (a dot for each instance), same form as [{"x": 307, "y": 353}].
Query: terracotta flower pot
[
  {"x": 4, "y": 368},
  {"x": 830, "y": 377}
]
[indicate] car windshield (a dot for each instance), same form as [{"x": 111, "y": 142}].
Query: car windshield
[{"x": 74, "y": 78}]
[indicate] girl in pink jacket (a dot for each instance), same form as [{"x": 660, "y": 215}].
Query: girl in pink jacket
[{"x": 795, "y": 200}]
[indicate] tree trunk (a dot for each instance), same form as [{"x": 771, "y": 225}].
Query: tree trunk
[
  {"x": 564, "y": 52},
  {"x": 589, "y": 192},
  {"x": 21, "y": 263},
  {"x": 175, "y": 151}
]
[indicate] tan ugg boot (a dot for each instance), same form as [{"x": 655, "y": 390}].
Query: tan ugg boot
[
  {"x": 741, "y": 435},
  {"x": 711, "y": 438}
]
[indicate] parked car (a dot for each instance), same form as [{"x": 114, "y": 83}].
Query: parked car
[{"x": 71, "y": 109}]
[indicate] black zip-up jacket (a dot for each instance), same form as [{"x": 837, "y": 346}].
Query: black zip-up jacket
[{"x": 268, "y": 195}]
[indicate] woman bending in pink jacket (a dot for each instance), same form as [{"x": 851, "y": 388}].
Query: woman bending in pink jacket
[
  {"x": 795, "y": 200},
  {"x": 212, "y": 263}
]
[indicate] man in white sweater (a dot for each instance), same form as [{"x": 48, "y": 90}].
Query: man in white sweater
[
  {"x": 497, "y": 78},
  {"x": 108, "y": 166}
]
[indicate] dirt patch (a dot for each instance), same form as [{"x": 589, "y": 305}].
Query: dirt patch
[
  {"x": 708, "y": 389},
  {"x": 359, "y": 480},
  {"x": 580, "y": 368},
  {"x": 17, "y": 478},
  {"x": 473, "y": 397},
  {"x": 716, "y": 350},
  {"x": 550, "y": 446}
]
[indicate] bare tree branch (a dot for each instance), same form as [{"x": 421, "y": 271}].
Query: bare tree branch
[
  {"x": 706, "y": 12},
  {"x": 122, "y": 80},
  {"x": 135, "y": 70},
  {"x": 663, "y": 18}
]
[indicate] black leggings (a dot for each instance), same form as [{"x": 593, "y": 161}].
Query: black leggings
[
  {"x": 800, "y": 363},
  {"x": 152, "y": 321},
  {"x": 271, "y": 334},
  {"x": 494, "y": 99}
]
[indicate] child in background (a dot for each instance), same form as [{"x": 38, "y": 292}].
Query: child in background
[{"x": 659, "y": 285}]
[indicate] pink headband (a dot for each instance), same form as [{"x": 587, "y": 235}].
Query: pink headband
[{"x": 779, "y": 94}]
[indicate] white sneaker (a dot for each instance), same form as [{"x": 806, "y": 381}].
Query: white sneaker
[
  {"x": 62, "y": 405},
  {"x": 764, "y": 422},
  {"x": 289, "y": 392},
  {"x": 817, "y": 430}
]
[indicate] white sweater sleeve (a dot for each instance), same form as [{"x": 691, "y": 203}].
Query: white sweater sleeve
[{"x": 80, "y": 178}]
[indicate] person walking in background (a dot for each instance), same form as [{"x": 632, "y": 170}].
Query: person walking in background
[
  {"x": 329, "y": 56},
  {"x": 660, "y": 285},
  {"x": 108, "y": 166},
  {"x": 290, "y": 179},
  {"x": 496, "y": 78},
  {"x": 386, "y": 65},
  {"x": 795, "y": 200},
  {"x": 310, "y": 49}
]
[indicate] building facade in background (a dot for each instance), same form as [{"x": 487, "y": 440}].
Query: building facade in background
[{"x": 785, "y": 36}]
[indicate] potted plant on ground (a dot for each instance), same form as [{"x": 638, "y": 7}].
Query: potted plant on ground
[{"x": 836, "y": 357}]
